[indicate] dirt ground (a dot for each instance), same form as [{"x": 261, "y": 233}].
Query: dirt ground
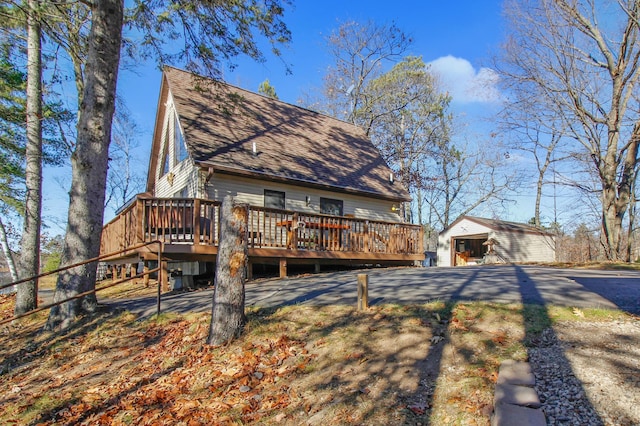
[{"x": 428, "y": 364}]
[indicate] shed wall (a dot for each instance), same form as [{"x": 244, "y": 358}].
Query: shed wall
[
  {"x": 460, "y": 229},
  {"x": 525, "y": 247},
  {"x": 513, "y": 247}
]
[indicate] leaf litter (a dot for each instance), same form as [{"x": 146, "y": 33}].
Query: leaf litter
[{"x": 427, "y": 364}]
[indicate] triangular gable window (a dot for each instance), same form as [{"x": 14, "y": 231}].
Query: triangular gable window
[
  {"x": 165, "y": 152},
  {"x": 165, "y": 162},
  {"x": 178, "y": 140}
]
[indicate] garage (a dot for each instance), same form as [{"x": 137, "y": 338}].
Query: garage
[{"x": 473, "y": 240}]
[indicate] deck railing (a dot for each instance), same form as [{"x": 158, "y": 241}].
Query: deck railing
[{"x": 196, "y": 222}]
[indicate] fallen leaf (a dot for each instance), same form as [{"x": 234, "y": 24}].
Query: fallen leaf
[
  {"x": 354, "y": 355},
  {"x": 418, "y": 409}
]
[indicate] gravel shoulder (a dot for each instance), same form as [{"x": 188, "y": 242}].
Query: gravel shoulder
[{"x": 588, "y": 373}]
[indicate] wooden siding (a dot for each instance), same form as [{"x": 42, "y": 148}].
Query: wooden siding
[
  {"x": 182, "y": 180},
  {"x": 525, "y": 247},
  {"x": 185, "y": 177},
  {"x": 251, "y": 191}
]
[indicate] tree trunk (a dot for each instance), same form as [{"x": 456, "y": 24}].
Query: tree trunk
[
  {"x": 616, "y": 195},
  {"x": 227, "y": 312},
  {"x": 542, "y": 171},
  {"x": 632, "y": 219},
  {"x": 89, "y": 162},
  {"x": 611, "y": 225},
  {"x": 27, "y": 294},
  {"x": 8, "y": 254}
]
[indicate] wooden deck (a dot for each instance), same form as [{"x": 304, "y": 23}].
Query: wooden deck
[{"x": 189, "y": 229}]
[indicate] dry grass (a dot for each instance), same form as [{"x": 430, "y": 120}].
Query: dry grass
[
  {"x": 611, "y": 266},
  {"x": 127, "y": 289},
  {"x": 418, "y": 364}
]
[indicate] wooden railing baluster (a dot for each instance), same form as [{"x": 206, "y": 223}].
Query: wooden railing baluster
[{"x": 196, "y": 221}]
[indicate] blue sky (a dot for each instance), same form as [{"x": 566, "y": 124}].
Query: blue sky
[
  {"x": 457, "y": 38},
  {"x": 467, "y": 31}
]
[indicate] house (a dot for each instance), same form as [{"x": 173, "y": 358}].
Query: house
[
  {"x": 318, "y": 190},
  {"x": 473, "y": 240}
]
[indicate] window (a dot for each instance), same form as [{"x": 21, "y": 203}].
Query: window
[
  {"x": 178, "y": 140},
  {"x": 165, "y": 162},
  {"x": 165, "y": 150},
  {"x": 330, "y": 206},
  {"x": 183, "y": 193},
  {"x": 274, "y": 199}
]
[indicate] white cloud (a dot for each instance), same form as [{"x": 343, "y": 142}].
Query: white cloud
[{"x": 463, "y": 82}]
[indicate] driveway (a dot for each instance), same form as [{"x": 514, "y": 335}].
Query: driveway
[{"x": 502, "y": 283}]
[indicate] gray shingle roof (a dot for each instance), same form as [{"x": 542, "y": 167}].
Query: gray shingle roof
[{"x": 222, "y": 123}]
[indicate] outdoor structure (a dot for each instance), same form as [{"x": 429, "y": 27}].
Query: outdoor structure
[
  {"x": 318, "y": 191},
  {"x": 473, "y": 240}
]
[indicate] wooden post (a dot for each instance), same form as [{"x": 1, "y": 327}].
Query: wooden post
[
  {"x": 249, "y": 270},
  {"x": 316, "y": 267},
  {"x": 146, "y": 274},
  {"x": 363, "y": 292},
  {"x": 139, "y": 221},
  {"x": 160, "y": 278},
  {"x": 196, "y": 221},
  {"x": 365, "y": 237},
  {"x": 283, "y": 267},
  {"x": 165, "y": 276},
  {"x": 294, "y": 232}
]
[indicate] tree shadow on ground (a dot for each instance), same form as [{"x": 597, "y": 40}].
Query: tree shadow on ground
[
  {"x": 25, "y": 348},
  {"x": 364, "y": 362},
  {"x": 420, "y": 401},
  {"x": 561, "y": 393}
]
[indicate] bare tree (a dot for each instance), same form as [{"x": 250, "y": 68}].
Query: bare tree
[
  {"x": 124, "y": 178},
  {"x": 535, "y": 131},
  {"x": 360, "y": 52},
  {"x": 581, "y": 58},
  {"x": 633, "y": 226},
  {"x": 463, "y": 179}
]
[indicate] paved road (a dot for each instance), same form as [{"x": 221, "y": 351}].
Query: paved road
[{"x": 503, "y": 283}]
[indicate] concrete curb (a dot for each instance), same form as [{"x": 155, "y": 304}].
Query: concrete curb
[{"x": 516, "y": 402}]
